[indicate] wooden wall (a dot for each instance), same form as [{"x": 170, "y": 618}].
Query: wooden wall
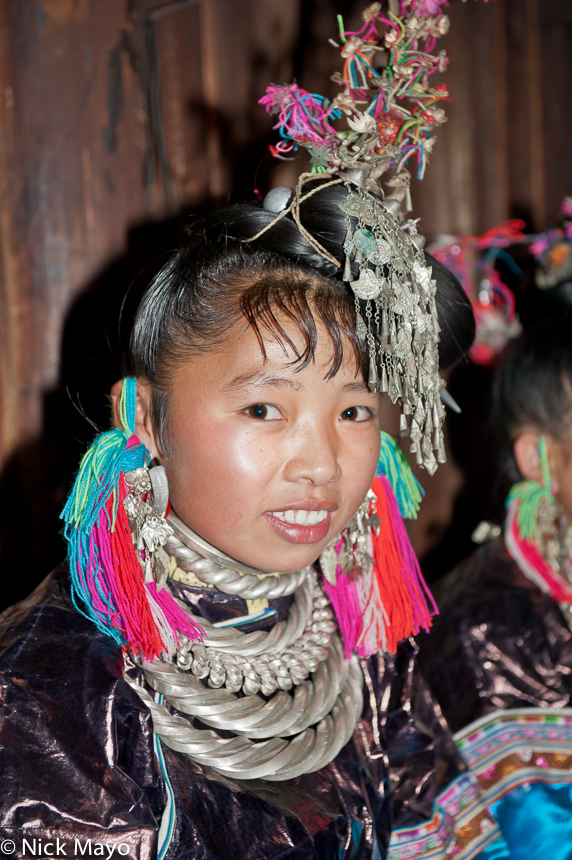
[
  {"x": 505, "y": 151},
  {"x": 113, "y": 113},
  {"x": 120, "y": 117}
]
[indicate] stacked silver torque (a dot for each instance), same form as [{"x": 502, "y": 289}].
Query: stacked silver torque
[
  {"x": 213, "y": 567},
  {"x": 289, "y": 696},
  {"x": 265, "y": 661}
]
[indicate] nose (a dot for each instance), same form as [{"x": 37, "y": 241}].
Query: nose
[{"x": 313, "y": 455}]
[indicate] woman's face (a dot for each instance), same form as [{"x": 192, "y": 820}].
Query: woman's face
[{"x": 266, "y": 462}]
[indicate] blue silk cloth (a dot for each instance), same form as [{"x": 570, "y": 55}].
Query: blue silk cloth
[{"x": 536, "y": 822}]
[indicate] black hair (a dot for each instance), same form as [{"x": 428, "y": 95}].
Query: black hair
[
  {"x": 216, "y": 277},
  {"x": 533, "y": 387}
]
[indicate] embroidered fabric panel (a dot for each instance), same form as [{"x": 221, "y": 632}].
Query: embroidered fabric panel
[{"x": 520, "y": 766}]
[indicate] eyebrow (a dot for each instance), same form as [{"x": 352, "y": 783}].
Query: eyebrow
[
  {"x": 258, "y": 379},
  {"x": 358, "y": 386}
]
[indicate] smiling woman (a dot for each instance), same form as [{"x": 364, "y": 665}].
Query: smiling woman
[
  {"x": 232, "y": 554},
  {"x": 223, "y": 667},
  {"x": 271, "y": 464}
]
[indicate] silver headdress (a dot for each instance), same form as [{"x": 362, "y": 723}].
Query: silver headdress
[{"x": 394, "y": 290}]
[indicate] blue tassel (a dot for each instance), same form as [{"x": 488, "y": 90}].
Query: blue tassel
[{"x": 110, "y": 454}]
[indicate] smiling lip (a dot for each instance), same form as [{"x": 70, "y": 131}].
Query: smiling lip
[{"x": 302, "y": 533}]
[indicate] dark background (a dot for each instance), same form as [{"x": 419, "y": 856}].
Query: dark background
[{"x": 119, "y": 119}]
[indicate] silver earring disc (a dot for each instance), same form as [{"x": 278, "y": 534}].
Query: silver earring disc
[{"x": 160, "y": 485}]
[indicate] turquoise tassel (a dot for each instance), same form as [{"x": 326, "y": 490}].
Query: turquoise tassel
[
  {"x": 97, "y": 480},
  {"x": 393, "y": 465}
]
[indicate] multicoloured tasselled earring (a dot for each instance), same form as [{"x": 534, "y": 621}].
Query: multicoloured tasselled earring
[
  {"x": 112, "y": 581},
  {"x": 537, "y": 535},
  {"x": 371, "y": 573}
]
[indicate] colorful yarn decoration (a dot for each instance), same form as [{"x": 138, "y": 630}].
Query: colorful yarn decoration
[
  {"x": 107, "y": 580},
  {"x": 346, "y": 604},
  {"x": 527, "y": 496},
  {"x": 521, "y": 531},
  {"x": 531, "y": 562},
  {"x": 394, "y": 466},
  {"x": 302, "y": 116},
  {"x": 473, "y": 259},
  {"x": 402, "y": 41},
  {"x": 388, "y": 601}
]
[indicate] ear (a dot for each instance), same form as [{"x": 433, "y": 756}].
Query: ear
[
  {"x": 144, "y": 425},
  {"x": 527, "y": 456}
]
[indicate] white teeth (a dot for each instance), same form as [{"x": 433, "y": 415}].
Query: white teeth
[{"x": 301, "y": 518}]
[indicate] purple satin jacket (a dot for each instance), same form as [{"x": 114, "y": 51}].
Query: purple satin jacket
[
  {"x": 498, "y": 642},
  {"x": 78, "y": 765}
]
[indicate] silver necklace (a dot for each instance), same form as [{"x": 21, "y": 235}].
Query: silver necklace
[
  {"x": 289, "y": 696},
  {"x": 230, "y": 576},
  {"x": 264, "y": 661},
  {"x": 278, "y": 739}
]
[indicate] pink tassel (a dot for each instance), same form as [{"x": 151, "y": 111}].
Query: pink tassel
[
  {"x": 374, "y": 621},
  {"x": 532, "y": 562},
  {"x": 379, "y": 606},
  {"x": 174, "y": 615},
  {"x": 344, "y": 599},
  {"x": 148, "y": 620}
]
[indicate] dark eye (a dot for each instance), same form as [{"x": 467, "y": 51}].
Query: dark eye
[
  {"x": 356, "y": 413},
  {"x": 264, "y": 412}
]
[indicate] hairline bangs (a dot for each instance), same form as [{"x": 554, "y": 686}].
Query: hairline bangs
[{"x": 271, "y": 303}]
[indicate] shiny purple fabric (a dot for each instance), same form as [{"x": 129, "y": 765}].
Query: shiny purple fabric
[
  {"x": 498, "y": 642},
  {"x": 77, "y": 761}
]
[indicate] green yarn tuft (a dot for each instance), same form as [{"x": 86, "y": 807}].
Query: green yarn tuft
[
  {"x": 98, "y": 470},
  {"x": 393, "y": 464},
  {"x": 531, "y": 495}
]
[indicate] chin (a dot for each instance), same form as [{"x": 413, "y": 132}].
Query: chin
[{"x": 284, "y": 562}]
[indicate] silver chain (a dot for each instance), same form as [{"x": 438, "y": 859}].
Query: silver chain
[{"x": 275, "y": 739}]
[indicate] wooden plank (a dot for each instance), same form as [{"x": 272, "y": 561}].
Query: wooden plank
[{"x": 535, "y": 118}]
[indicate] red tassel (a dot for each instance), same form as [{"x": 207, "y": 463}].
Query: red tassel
[
  {"x": 130, "y": 594},
  {"x": 402, "y": 590}
]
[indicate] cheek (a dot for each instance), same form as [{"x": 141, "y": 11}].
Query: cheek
[
  {"x": 360, "y": 463},
  {"x": 214, "y": 467}
]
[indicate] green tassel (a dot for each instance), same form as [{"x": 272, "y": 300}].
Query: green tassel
[
  {"x": 531, "y": 495},
  {"x": 393, "y": 464}
]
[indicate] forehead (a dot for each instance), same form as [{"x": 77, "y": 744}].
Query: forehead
[
  {"x": 255, "y": 358},
  {"x": 295, "y": 317}
]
